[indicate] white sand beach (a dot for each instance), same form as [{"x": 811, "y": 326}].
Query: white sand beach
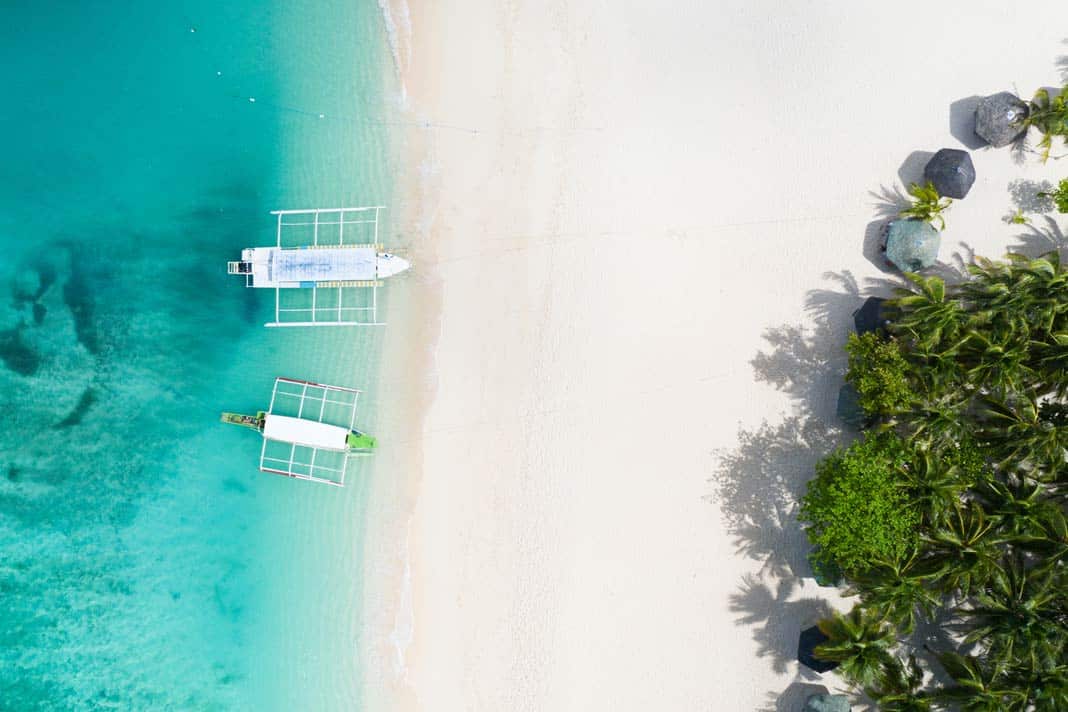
[{"x": 639, "y": 234}]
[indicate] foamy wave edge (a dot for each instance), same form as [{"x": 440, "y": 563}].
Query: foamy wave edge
[
  {"x": 404, "y": 624},
  {"x": 397, "y": 18}
]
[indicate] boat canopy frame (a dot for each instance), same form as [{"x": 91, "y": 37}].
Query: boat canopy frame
[
  {"x": 327, "y": 303},
  {"x": 319, "y": 403}
]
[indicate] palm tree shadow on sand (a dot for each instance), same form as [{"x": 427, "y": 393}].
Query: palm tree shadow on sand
[
  {"x": 777, "y": 618},
  {"x": 888, "y": 203},
  {"x": 793, "y": 698},
  {"x": 1041, "y": 239},
  {"x": 759, "y": 483}
]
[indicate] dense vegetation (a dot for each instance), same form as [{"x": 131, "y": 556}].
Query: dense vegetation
[{"x": 950, "y": 510}]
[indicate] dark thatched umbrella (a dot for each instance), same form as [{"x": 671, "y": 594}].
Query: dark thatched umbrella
[
  {"x": 870, "y": 316},
  {"x": 848, "y": 407},
  {"x": 912, "y": 245},
  {"x": 951, "y": 171},
  {"x": 999, "y": 119},
  {"x": 806, "y": 647}
]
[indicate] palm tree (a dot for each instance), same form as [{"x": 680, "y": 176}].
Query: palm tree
[
  {"x": 1046, "y": 688},
  {"x": 898, "y": 591},
  {"x": 965, "y": 548},
  {"x": 935, "y": 482},
  {"x": 1049, "y": 548},
  {"x": 995, "y": 362},
  {"x": 860, "y": 643},
  {"x": 979, "y": 687},
  {"x": 1018, "y": 433},
  {"x": 900, "y": 690},
  {"x": 939, "y": 421},
  {"x": 1021, "y": 296},
  {"x": 1049, "y": 362},
  {"x": 926, "y": 315},
  {"x": 1021, "y": 508},
  {"x": 1021, "y": 617}
]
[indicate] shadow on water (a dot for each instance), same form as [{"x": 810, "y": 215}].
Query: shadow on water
[{"x": 962, "y": 122}]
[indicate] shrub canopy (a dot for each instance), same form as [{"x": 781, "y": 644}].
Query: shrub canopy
[
  {"x": 857, "y": 510},
  {"x": 879, "y": 372}
]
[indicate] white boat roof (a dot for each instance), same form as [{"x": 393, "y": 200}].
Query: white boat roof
[
  {"x": 305, "y": 432},
  {"x": 322, "y": 264}
]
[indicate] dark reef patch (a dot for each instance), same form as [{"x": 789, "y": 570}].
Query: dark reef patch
[
  {"x": 16, "y": 354},
  {"x": 79, "y": 299},
  {"x": 46, "y": 277},
  {"x": 76, "y": 415}
]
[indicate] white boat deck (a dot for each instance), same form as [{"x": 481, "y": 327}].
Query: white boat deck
[{"x": 280, "y": 267}]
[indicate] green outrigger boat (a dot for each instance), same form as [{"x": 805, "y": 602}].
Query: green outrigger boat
[
  {"x": 308, "y": 431},
  {"x": 355, "y": 440}
]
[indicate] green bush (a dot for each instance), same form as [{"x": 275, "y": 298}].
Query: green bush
[
  {"x": 927, "y": 205},
  {"x": 1059, "y": 196},
  {"x": 877, "y": 369},
  {"x": 857, "y": 511}
]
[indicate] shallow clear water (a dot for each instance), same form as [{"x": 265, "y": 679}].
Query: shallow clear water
[{"x": 145, "y": 563}]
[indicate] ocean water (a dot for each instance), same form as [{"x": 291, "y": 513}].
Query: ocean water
[{"x": 145, "y": 564}]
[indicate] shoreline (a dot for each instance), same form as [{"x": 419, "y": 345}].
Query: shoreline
[{"x": 406, "y": 381}]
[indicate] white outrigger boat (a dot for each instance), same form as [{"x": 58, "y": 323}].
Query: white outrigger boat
[
  {"x": 325, "y": 269},
  {"x": 308, "y": 431}
]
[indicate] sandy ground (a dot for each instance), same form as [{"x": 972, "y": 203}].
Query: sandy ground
[{"x": 640, "y": 234}]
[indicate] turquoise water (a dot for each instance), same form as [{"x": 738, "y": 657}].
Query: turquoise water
[{"x": 146, "y": 564}]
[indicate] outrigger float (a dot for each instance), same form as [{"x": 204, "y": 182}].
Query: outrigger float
[
  {"x": 325, "y": 269},
  {"x": 308, "y": 431}
]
